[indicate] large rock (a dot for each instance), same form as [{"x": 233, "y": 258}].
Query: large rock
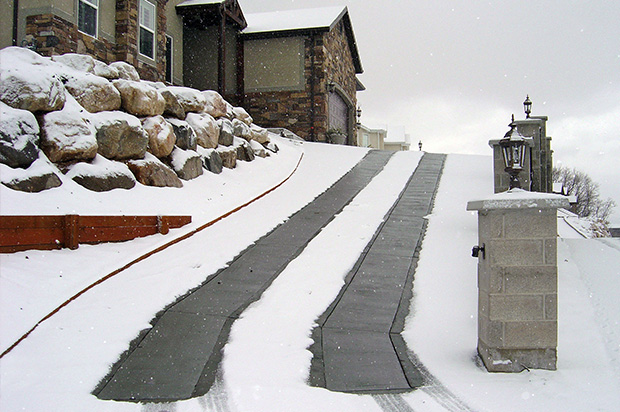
[
  {"x": 186, "y": 137},
  {"x": 241, "y": 114},
  {"x": 161, "y": 136},
  {"x": 106, "y": 71},
  {"x": 120, "y": 136},
  {"x": 215, "y": 104},
  {"x": 227, "y": 132},
  {"x": 152, "y": 172},
  {"x": 211, "y": 160},
  {"x": 206, "y": 128},
  {"x": 190, "y": 99},
  {"x": 29, "y": 82},
  {"x": 244, "y": 150},
  {"x": 187, "y": 164},
  {"x": 173, "y": 107},
  {"x": 241, "y": 129},
  {"x": 229, "y": 156},
  {"x": 19, "y": 137},
  {"x": 68, "y": 135},
  {"x": 93, "y": 93},
  {"x": 140, "y": 99},
  {"x": 102, "y": 175},
  {"x": 259, "y": 134},
  {"x": 80, "y": 62},
  {"x": 259, "y": 149},
  {"x": 125, "y": 71},
  {"x": 38, "y": 177}
]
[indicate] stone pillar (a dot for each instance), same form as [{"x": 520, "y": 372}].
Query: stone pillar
[{"x": 517, "y": 280}]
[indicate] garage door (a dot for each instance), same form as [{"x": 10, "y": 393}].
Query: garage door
[{"x": 338, "y": 113}]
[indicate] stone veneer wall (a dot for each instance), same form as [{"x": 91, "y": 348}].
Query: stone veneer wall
[
  {"x": 71, "y": 40},
  {"x": 292, "y": 109}
]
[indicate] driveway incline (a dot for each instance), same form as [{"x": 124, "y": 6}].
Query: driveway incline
[
  {"x": 357, "y": 343},
  {"x": 179, "y": 356}
]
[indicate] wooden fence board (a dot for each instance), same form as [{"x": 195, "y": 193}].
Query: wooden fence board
[{"x": 18, "y": 233}]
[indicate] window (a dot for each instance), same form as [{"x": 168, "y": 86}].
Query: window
[
  {"x": 147, "y": 29},
  {"x": 168, "y": 59},
  {"x": 87, "y": 16}
]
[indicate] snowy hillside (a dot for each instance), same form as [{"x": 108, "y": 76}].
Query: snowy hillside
[{"x": 59, "y": 364}]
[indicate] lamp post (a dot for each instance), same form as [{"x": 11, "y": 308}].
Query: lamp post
[
  {"x": 513, "y": 152},
  {"x": 527, "y": 106}
]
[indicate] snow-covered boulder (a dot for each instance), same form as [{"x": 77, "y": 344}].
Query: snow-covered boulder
[
  {"x": 68, "y": 135},
  {"x": 215, "y": 104},
  {"x": 41, "y": 175},
  {"x": 241, "y": 114},
  {"x": 259, "y": 134},
  {"x": 173, "y": 107},
  {"x": 186, "y": 137},
  {"x": 19, "y": 137},
  {"x": 190, "y": 99},
  {"x": 125, "y": 71},
  {"x": 187, "y": 164},
  {"x": 140, "y": 99},
  {"x": 211, "y": 160},
  {"x": 229, "y": 156},
  {"x": 227, "y": 132},
  {"x": 93, "y": 93},
  {"x": 80, "y": 62},
  {"x": 161, "y": 136},
  {"x": 259, "y": 149},
  {"x": 244, "y": 150},
  {"x": 120, "y": 136},
  {"x": 150, "y": 171},
  {"x": 102, "y": 175},
  {"x": 106, "y": 71},
  {"x": 29, "y": 81},
  {"x": 241, "y": 129},
  {"x": 206, "y": 128}
]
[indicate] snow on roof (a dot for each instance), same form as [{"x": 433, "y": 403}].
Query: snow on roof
[
  {"x": 324, "y": 17},
  {"x": 188, "y": 3}
]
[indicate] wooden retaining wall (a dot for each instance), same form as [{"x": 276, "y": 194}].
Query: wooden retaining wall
[{"x": 19, "y": 233}]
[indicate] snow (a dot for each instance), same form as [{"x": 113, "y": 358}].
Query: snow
[
  {"x": 41, "y": 166},
  {"x": 519, "y": 198},
  {"x": 266, "y": 362},
  {"x": 100, "y": 166},
  {"x": 18, "y": 123},
  {"x": 300, "y": 19}
]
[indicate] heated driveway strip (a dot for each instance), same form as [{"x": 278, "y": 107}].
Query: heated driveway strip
[
  {"x": 179, "y": 356},
  {"x": 357, "y": 343}
]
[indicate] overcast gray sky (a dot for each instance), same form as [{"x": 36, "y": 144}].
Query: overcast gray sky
[{"x": 453, "y": 71}]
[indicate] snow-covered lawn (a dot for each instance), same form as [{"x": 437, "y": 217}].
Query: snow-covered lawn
[{"x": 265, "y": 366}]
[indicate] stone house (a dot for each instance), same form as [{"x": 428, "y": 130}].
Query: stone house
[{"x": 290, "y": 69}]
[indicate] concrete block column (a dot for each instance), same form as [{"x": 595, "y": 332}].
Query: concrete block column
[{"x": 517, "y": 280}]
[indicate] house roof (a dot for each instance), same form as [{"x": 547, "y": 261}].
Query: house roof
[
  {"x": 203, "y": 13},
  {"x": 300, "y": 22}
]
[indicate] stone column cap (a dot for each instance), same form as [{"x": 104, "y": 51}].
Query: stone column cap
[{"x": 520, "y": 199}]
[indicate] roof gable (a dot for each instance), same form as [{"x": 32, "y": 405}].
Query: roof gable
[{"x": 301, "y": 22}]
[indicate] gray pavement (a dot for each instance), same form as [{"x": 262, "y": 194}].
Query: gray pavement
[
  {"x": 179, "y": 356},
  {"x": 357, "y": 343}
]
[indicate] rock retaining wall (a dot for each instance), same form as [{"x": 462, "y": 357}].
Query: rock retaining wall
[{"x": 106, "y": 128}]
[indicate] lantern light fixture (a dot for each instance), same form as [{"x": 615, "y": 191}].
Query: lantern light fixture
[
  {"x": 513, "y": 151},
  {"x": 527, "y": 106}
]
